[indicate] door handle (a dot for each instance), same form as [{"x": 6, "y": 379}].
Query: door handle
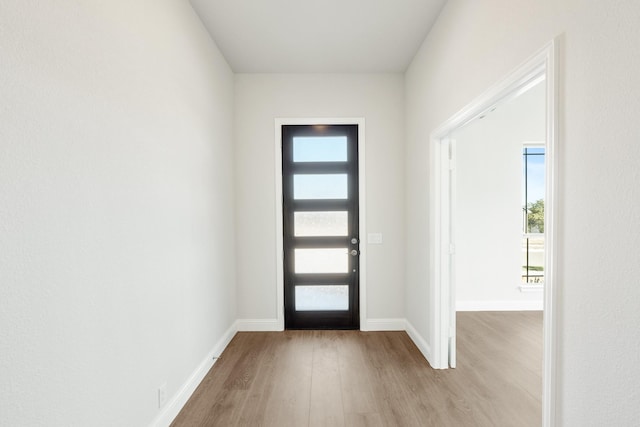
[
  {"x": 354, "y": 241},
  {"x": 354, "y": 252}
]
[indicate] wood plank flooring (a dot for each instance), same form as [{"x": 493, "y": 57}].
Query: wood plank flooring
[{"x": 351, "y": 378}]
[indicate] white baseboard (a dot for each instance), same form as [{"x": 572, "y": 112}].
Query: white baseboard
[
  {"x": 177, "y": 402},
  {"x": 386, "y": 325},
  {"x": 499, "y": 305},
  {"x": 419, "y": 341},
  {"x": 259, "y": 325}
]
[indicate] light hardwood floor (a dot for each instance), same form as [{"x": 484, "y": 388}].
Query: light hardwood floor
[{"x": 351, "y": 378}]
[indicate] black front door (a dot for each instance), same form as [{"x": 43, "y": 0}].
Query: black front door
[{"x": 321, "y": 240}]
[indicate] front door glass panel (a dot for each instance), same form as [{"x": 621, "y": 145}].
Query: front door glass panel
[
  {"x": 322, "y": 298},
  {"x": 321, "y": 260},
  {"x": 320, "y": 149},
  {"x": 320, "y": 187},
  {"x": 321, "y": 223}
]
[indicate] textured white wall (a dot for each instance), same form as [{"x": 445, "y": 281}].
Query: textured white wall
[
  {"x": 488, "y": 221},
  {"x": 473, "y": 45},
  {"x": 260, "y": 98},
  {"x": 116, "y": 212}
]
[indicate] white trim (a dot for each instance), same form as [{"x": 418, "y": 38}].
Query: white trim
[
  {"x": 523, "y": 75},
  {"x": 453, "y": 197},
  {"x": 542, "y": 63},
  {"x": 360, "y": 121},
  {"x": 177, "y": 402},
  {"x": 499, "y": 305},
  {"x": 259, "y": 325},
  {"x": 362, "y": 221},
  {"x": 386, "y": 324},
  {"x": 551, "y": 215},
  {"x": 279, "y": 227},
  {"x": 420, "y": 342}
]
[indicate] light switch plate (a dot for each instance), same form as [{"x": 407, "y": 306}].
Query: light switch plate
[{"x": 374, "y": 238}]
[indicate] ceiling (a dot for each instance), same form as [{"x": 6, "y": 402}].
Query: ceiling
[{"x": 318, "y": 36}]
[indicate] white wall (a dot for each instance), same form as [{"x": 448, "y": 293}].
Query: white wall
[
  {"x": 116, "y": 212},
  {"x": 473, "y": 45},
  {"x": 262, "y": 98},
  {"x": 488, "y": 218}
]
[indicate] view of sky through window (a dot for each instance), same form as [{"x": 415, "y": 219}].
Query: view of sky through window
[
  {"x": 535, "y": 175},
  {"x": 320, "y": 149}
]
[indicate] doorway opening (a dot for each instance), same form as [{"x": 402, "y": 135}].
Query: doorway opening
[{"x": 541, "y": 66}]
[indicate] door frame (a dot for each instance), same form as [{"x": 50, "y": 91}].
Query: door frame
[
  {"x": 442, "y": 301},
  {"x": 360, "y": 122}
]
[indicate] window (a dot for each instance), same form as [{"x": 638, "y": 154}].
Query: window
[{"x": 533, "y": 160}]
